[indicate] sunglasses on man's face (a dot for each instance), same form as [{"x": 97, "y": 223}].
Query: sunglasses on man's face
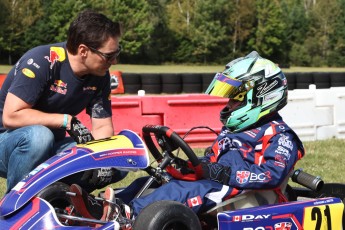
[{"x": 109, "y": 57}]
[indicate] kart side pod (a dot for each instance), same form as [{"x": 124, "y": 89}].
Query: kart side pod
[
  {"x": 125, "y": 151},
  {"x": 324, "y": 213}
]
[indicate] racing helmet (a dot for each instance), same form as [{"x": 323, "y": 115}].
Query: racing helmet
[{"x": 257, "y": 83}]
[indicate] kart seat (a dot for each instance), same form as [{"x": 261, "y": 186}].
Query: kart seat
[{"x": 251, "y": 198}]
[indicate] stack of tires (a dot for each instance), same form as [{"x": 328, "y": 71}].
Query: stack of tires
[
  {"x": 131, "y": 82},
  {"x": 303, "y": 80},
  {"x": 191, "y": 83},
  {"x": 176, "y": 83},
  {"x": 337, "y": 79},
  {"x": 321, "y": 80},
  {"x": 171, "y": 83},
  {"x": 151, "y": 83}
]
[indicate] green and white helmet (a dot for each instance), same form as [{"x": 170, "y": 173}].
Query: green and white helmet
[{"x": 257, "y": 82}]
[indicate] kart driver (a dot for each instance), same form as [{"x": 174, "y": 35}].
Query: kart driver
[
  {"x": 256, "y": 149},
  {"x": 47, "y": 87}
]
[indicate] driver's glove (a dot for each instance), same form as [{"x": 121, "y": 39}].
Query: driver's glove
[
  {"x": 79, "y": 132},
  {"x": 206, "y": 170},
  {"x": 99, "y": 177},
  {"x": 216, "y": 172}
]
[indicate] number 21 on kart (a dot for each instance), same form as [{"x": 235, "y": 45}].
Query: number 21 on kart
[{"x": 322, "y": 217}]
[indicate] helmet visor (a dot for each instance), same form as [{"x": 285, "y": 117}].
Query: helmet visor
[{"x": 225, "y": 86}]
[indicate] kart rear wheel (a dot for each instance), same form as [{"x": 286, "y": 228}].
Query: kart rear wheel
[
  {"x": 56, "y": 195},
  {"x": 167, "y": 215}
]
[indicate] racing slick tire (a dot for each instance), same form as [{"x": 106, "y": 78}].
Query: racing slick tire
[
  {"x": 163, "y": 215},
  {"x": 56, "y": 195}
]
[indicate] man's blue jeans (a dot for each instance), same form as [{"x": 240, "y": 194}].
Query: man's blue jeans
[{"x": 22, "y": 149}]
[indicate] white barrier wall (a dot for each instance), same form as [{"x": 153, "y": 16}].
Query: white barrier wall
[{"x": 316, "y": 114}]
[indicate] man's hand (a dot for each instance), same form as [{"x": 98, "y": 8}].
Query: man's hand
[
  {"x": 79, "y": 132},
  {"x": 98, "y": 177}
]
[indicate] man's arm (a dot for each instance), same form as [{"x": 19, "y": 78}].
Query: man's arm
[
  {"x": 17, "y": 113},
  {"x": 102, "y": 127}
]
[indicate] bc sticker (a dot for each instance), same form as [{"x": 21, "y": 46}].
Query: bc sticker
[{"x": 27, "y": 72}]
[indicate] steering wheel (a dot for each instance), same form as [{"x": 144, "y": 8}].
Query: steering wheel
[{"x": 169, "y": 141}]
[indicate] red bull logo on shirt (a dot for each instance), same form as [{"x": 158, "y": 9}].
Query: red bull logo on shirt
[
  {"x": 56, "y": 54},
  {"x": 59, "y": 87}
]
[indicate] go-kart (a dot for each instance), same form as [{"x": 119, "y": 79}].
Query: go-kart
[{"x": 42, "y": 201}]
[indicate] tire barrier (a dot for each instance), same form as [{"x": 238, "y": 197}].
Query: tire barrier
[
  {"x": 303, "y": 80},
  {"x": 176, "y": 83},
  {"x": 151, "y": 83},
  {"x": 131, "y": 82},
  {"x": 171, "y": 83},
  {"x": 321, "y": 80},
  {"x": 337, "y": 79},
  {"x": 191, "y": 83}
]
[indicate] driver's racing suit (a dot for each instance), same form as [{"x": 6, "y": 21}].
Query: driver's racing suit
[{"x": 259, "y": 158}]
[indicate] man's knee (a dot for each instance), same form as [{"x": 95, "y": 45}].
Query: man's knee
[
  {"x": 41, "y": 135},
  {"x": 37, "y": 143}
]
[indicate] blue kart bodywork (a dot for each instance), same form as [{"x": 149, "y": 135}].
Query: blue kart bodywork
[{"x": 20, "y": 207}]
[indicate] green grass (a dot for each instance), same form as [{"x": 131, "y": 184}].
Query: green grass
[
  {"x": 326, "y": 159},
  {"x": 323, "y": 158}
]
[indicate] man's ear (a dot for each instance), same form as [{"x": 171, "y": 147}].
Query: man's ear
[{"x": 83, "y": 50}]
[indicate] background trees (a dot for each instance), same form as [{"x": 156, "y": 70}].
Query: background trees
[{"x": 291, "y": 32}]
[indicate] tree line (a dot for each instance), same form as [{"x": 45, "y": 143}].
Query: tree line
[{"x": 290, "y": 32}]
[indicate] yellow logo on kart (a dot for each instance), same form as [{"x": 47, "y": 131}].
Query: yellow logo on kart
[{"x": 114, "y": 142}]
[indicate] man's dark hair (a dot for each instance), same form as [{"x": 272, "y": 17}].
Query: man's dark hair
[{"x": 92, "y": 29}]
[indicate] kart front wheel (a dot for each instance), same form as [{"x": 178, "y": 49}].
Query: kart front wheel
[
  {"x": 56, "y": 195},
  {"x": 167, "y": 215}
]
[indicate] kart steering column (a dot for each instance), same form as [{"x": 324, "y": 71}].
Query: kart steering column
[{"x": 156, "y": 174}]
